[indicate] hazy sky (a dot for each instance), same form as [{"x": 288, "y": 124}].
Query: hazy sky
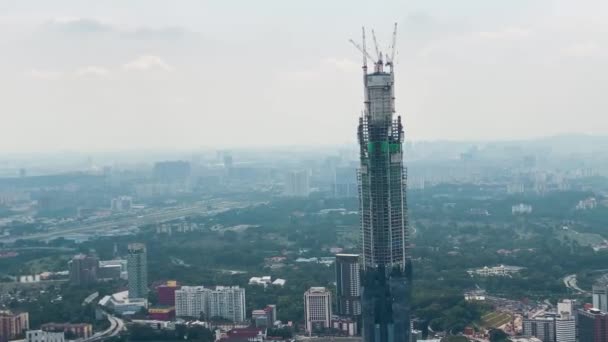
[{"x": 119, "y": 74}]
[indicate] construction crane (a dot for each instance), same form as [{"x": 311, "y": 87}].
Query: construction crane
[
  {"x": 363, "y": 50},
  {"x": 378, "y": 55},
  {"x": 378, "y": 61},
  {"x": 393, "y": 46}
]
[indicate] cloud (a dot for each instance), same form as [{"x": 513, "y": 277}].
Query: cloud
[
  {"x": 44, "y": 74},
  {"x": 584, "y": 49},
  {"x": 343, "y": 64},
  {"x": 148, "y": 62},
  {"x": 77, "y": 25},
  {"x": 300, "y": 75},
  {"x": 510, "y": 33},
  {"x": 93, "y": 71}
]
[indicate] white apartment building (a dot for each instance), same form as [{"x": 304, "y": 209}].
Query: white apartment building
[
  {"x": 317, "y": 308},
  {"x": 227, "y": 302},
  {"x": 44, "y": 336}
]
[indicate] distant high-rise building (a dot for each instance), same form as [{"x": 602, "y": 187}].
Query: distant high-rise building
[
  {"x": 137, "y": 266},
  {"x": 228, "y": 162},
  {"x": 297, "y": 184},
  {"x": 13, "y": 325},
  {"x": 226, "y": 302},
  {"x": 172, "y": 171},
  {"x": 121, "y": 203},
  {"x": 386, "y": 267},
  {"x": 345, "y": 182},
  {"x": 600, "y": 297},
  {"x": 83, "y": 269},
  {"x": 317, "y": 309},
  {"x": 592, "y": 325},
  {"x": 541, "y": 327},
  {"x": 348, "y": 285}
]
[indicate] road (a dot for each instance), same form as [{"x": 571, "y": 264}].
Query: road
[
  {"x": 116, "y": 326},
  {"x": 142, "y": 219}
]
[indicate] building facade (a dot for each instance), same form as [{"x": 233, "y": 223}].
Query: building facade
[
  {"x": 317, "y": 309},
  {"x": 166, "y": 293},
  {"x": 592, "y": 325},
  {"x": 44, "y": 336},
  {"x": 137, "y": 269},
  {"x": 265, "y": 317},
  {"x": 542, "y": 327},
  {"x": 600, "y": 297},
  {"x": 565, "y": 329},
  {"x": 297, "y": 184},
  {"x": 83, "y": 269},
  {"x": 226, "y": 302},
  {"x": 386, "y": 268},
  {"x": 77, "y": 330},
  {"x": 348, "y": 285},
  {"x": 13, "y": 325}
]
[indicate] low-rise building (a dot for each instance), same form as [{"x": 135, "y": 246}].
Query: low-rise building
[
  {"x": 122, "y": 304},
  {"x": 44, "y": 336},
  {"x": 496, "y": 271},
  {"x": 78, "y": 330}
]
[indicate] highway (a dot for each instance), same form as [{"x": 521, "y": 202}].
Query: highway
[
  {"x": 116, "y": 326},
  {"x": 133, "y": 219}
]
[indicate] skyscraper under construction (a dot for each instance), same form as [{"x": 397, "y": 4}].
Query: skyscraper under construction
[{"x": 386, "y": 270}]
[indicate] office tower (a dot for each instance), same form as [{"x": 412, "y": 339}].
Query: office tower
[
  {"x": 600, "y": 297},
  {"x": 226, "y": 302},
  {"x": 297, "y": 184},
  {"x": 541, "y": 327},
  {"x": 386, "y": 271},
  {"x": 13, "y": 325},
  {"x": 317, "y": 309},
  {"x": 348, "y": 285},
  {"x": 592, "y": 325},
  {"x": 565, "y": 329},
  {"x": 166, "y": 293},
  {"x": 137, "y": 267},
  {"x": 83, "y": 269}
]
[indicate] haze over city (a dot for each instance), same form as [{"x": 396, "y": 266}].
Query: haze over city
[
  {"x": 189, "y": 74},
  {"x": 310, "y": 171}
]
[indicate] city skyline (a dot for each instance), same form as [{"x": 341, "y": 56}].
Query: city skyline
[{"x": 472, "y": 71}]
